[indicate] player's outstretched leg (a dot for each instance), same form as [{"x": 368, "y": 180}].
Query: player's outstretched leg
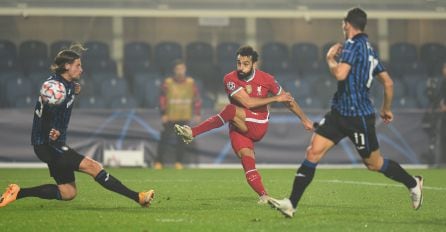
[
  {"x": 227, "y": 114},
  {"x": 394, "y": 171},
  {"x": 109, "y": 182},
  {"x": 252, "y": 175},
  {"x": 14, "y": 192},
  {"x": 304, "y": 175}
]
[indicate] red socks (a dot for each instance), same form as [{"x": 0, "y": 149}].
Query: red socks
[
  {"x": 252, "y": 176},
  {"x": 227, "y": 114}
]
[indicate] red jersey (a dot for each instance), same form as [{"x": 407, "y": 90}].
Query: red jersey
[{"x": 259, "y": 85}]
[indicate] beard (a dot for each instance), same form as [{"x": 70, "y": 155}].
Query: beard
[{"x": 243, "y": 75}]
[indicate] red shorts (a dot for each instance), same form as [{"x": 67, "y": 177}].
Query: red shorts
[{"x": 257, "y": 126}]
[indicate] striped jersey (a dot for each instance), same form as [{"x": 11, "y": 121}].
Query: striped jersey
[
  {"x": 352, "y": 95},
  {"x": 47, "y": 117}
]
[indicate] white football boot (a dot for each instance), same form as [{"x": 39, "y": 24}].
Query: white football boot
[
  {"x": 263, "y": 199},
  {"x": 284, "y": 206},
  {"x": 185, "y": 132},
  {"x": 416, "y": 193}
]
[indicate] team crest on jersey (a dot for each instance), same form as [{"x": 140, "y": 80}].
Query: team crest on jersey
[
  {"x": 259, "y": 90},
  {"x": 230, "y": 85},
  {"x": 248, "y": 89}
]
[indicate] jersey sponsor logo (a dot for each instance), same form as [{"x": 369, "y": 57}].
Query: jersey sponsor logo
[
  {"x": 248, "y": 89},
  {"x": 230, "y": 85}
]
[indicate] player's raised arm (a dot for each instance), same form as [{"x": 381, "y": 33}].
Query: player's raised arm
[
  {"x": 339, "y": 70},
  {"x": 386, "y": 111},
  {"x": 251, "y": 102}
]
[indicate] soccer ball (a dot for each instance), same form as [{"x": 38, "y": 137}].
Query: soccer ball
[{"x": 53, "y": 92}]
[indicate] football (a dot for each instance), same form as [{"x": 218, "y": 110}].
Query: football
[{"x": 53, "y": 92}]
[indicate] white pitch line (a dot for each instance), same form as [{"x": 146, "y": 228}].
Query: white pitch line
[{"x": 375, "y": 184}]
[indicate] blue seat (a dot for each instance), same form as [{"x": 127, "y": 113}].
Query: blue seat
[
  {"x": 91, "y": 102},
  {"x": 433, "y": 55},
  {"x": 133, "y": 68},
  {"x": 134, "y": 51},
  {"x": 141, "y": 84},
  {"x": 226, "y": 67},
  {"x": 304, "y": 55},
  {"x": 152, "y": 93},
  {"x": 8, "y": 65},
  {"x": 226, "y": 52},
  {"x": 324, "y": 90},
  {"x": 405, "y": 103},
  {"x": 166, "y": 53},
  {"x": 8, "y": 50},
  {"x": 403, "y": 53},
  {"x": 399, "y": 88},
  {"x": 199, "y": 52},
  {"x": 15, "y": 87},
  {"x": 325, "y": 48},
  {"x": 311, "y": 103},
  {"x": 97, "y": 79},
  {"x": 58, "y": 46},
  {"x": 300, "y": 89},
  {"x": 37, "y": 78},
  {"x": 98, "y": 66},
  {"x": 275, "y": 57},
  {"x": 114, "y": 88},
  {"x": 96, "y": 50},
  {"x": 123, "y": 102},
  {"x": 33, "y": 49},
  {"x": 24, "y": 101}
]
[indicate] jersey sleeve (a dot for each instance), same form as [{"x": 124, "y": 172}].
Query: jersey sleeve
[
  {"x": 231, "y": 86},
  {"x": 349, "y": 53},
  {"x": 275, "y": 87},
  {"x": 379, "y": 67}
]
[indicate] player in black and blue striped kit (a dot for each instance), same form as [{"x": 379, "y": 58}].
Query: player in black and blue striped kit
[
  {"x": 48, "y": 138},
  {"x": 352, "y": 114}
]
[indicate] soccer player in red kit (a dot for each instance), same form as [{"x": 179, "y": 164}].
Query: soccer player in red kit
[{"x": 248, "y": 90}]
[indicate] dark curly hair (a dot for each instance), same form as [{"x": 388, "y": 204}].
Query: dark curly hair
[{"x": 248, "y": 51}]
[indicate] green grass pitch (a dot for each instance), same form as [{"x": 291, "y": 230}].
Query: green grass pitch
[{"x": 221, "y": 200}]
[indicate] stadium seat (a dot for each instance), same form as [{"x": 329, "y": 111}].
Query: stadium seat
[
  {"x": 123, "y": 102},
  {"x": 311, "y": 103},
  {"x": 399, "y": 88},
  {"x": 433, "y": 55},
  {"x": 151, "y": 97},
  {"x": 324, "y": 90},
  {"x": 33, "y": 49},
  {"x": 207, "y": 73},
  {"x": 275, "y": 58},
  {"x": 300, "y": 89},
  {"x": 8, "y": 65},
  {"x": 165, "y": 54},
  {"x": 141, "y": 84},
  {"x": 114, "y": 88},
  {"x": 405, "y": 103},
  {"x": 226, "y": 67},
  {"x": 199, "y": 52},
  {"x": 25, "y": 101},
  {"x": 304, "y": 55},
  {"x": 134, "y": 51},
  {"x": 96, "y": 50},
  {"x": 8, "y": 50},
  {"x": 37, "y": 78},
  {"x": 99, "y": 66},
  {"x": 325, "y": 49},
  {"x": 91, "y": 102},
  {"x": 15, "y": 87},
  {"x": 403, "y": 53},
  {"x": 226, "y": 52},
  {"x": 58, "y": 46}
]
